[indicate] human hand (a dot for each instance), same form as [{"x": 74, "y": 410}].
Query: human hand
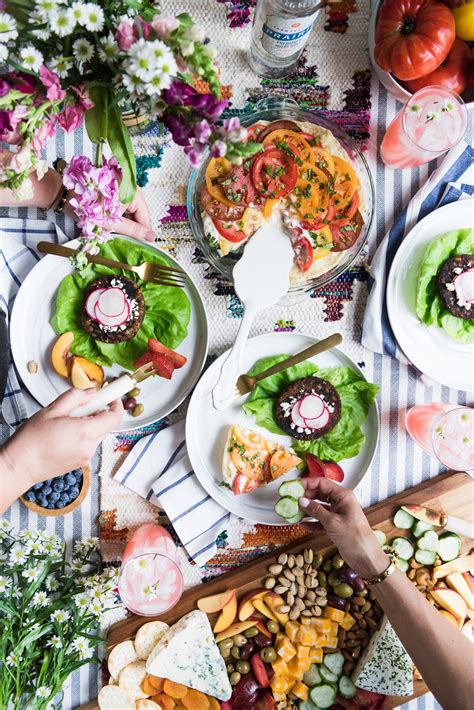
[
  {"x": 51, "y": 443},
  {"x": 345, "y": 523}
]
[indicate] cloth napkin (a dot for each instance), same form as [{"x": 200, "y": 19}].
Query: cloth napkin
[
  {"x": 451, "y": 181},
  {"x": 159, "y": 470},
  {"x": 18, "y": 240}
]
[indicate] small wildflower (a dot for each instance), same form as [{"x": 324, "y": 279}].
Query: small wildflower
[
  {"x": 60, "y": 615},
  {"x": 40, "y": 599},
  {"x": 43, "y": 691},
  {"x": 55, "y": 642}
]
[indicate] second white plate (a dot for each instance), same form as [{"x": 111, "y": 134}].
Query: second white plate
[{"x": 207, "y": 429}]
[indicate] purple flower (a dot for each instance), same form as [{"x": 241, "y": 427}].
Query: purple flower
[
  {"x": 180, "y": 130},
  {"x": 202, "y": 131},
  {"x": 207, "y": 106},
  {"x": 26, "y": 83},
  {"x": 195, "y": 154},
  {"x": 218, "y": 149},
  {"x": 178, "y": 93},
  {"x": 4, "y": 87},
  {"x": 231, "y": 124},
  {"x": 5, "y": 121}
]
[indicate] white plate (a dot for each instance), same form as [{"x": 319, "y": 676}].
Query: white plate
[
  {"x": 207, "y": 429},
  {"x": 430, "y": 349},
  {"x": 32, "y": 338}
]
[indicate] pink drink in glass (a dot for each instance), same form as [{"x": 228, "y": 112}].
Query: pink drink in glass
[
  {"x": 151, "y": 581},
  {"x": 445, "y": 431},
  {"x": 431, "y": 122}
]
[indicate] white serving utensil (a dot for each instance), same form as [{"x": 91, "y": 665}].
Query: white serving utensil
[{"x": 261, "y": 278}]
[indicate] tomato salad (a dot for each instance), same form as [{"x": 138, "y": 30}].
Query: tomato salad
[{"x": 302, "y": 176}]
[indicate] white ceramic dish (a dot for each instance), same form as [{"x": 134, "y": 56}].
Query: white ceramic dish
[
  {"x": 32, "y": 337},
  {"x": 430, "y": 349},
  {"x": 207, "y": 429}
]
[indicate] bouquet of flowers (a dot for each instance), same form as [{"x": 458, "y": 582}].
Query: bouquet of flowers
[
  {"x": 67, "y": 62},
  {"x": 49, "y": 613}
]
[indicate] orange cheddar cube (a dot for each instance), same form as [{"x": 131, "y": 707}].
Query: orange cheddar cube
[
  {"x": 280, "y": 667},
  {"x": 316, "y": 655},
  {"x": 334, "y": 628},
  {"x": 302, "y": 652},
  {"x": 307, "y": 635},
  {"x": 285, "y": 649},
  {"x": 300, "y": 690},
  {"x": 307, "y": 620},
  {"x": 333, "y": 614},
  {"x": 280, "y": 685},
  {"x": 320, "y": 641},
  {"x": 280, "y": 636},
  {"x": 296, "y": 668},
  {"x": 291, "y": 629},
  {"x": 348, "y": 622},
  {"x": 322, "y": 626},
  {"x": 278, "y": 697},
  {"x": 331, "y": 642}
]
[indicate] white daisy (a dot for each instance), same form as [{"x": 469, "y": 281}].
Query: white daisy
[
  {"x": 62, "y": 22},
  {"x": 43, "y": 691},
  {"x": 17, "y": 555},
  {"x": 12, "y": 659},
  {"x": 55, "y": 642},
  {"x": 108, "y": 49},
  {"x": 78, "y": 12},
  {"x": 142, "y": 59},
  {"x": 3, "y": 53},
  {"x": 31, "y": 574},
  {"x": 40, "y": 599},
  {"x": 52, "y": 584},
  {"x": 33, "y": 546},
  {"x": 4, "y": 584},
  {"x": 44, "y": 8},
  {"x": 81, "y": 644},
  {"x": 96, "y": 607},
  {"x": 60, "y": 615},
  {"x": 82, "y": 601},
  {"x": 5, "y": 525},
  {"x": 17, "y": 593},
  {"x": 83, "y": 50},
  {"x": 8, "y": 29},
  {"x": 93, "y": 17}
]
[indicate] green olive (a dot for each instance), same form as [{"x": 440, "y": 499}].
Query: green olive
[
  {"x": 327, "y": 566},
  {"x": 317, "y": 560},
  {"x": 226, "y": 643},
  {"x": 234, "y": 678},
  {"x": 322, "y": 579},
  {"x": 337, "y": 561},
  {"x": 343, "y": 590},
  {"x": 230, "y": 668},
  {"x": 268, "y": 654},
  {"x": 235, "y": 652},
  {"x": 243, "y": 667},
  {"x": 134, "y": 393},
  {"x": 273, "y": 626},
  {"x": 138, "y": 410},
  {"x": 333, "y": 578},
  {"x": 225, "y": 653},
  {"x": 239, "y": 640},
  {"x": 250, "y": 633}
]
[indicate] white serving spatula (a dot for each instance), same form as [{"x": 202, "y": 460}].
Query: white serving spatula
[{"x": 261, "y": 278}]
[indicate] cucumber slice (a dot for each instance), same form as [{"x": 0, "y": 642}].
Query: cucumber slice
[
  {"x": 403, "y": 548},
  {"x": 403, "y": 520},
  {"x": 449, "y": 546},
  {"x": 346, "y": 687},
  {"x": 323, "y": 696},
  {"x": 403, "y": 565},
  {"x": 294, "y": 489},
  {"x": 335, "y": 662},
  {"x": 425, "y": 557},
  {"x": 327, "y": 674},
  {"x": 307, "y": 705},
  {"x": 420, "y": 528},
  {"x": 295, "y": 518},
  {"x": 287, "y": 507},
  {"x": 381, "y": 537},
  {"x": 429, "y": 541},
  {"x": 312, "y": 676}
]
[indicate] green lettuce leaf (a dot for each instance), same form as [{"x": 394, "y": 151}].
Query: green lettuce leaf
[
  {"x": 166, "y": 317},
  {"x": 347, "y": 438},
  {"x": 429, "y": 306}
]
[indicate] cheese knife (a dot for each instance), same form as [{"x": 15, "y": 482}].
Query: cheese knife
[{"x": 440, "y": 520}]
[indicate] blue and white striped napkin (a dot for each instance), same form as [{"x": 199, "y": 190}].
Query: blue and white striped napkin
[
  {"x": 451, "y": 181},
  {"x": 159, "y": 470}
]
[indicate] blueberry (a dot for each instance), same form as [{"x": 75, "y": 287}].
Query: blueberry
[
  {"x": 37, "y": 486},
  {"x": 31, "y": 496},
  {"x": 65, "y": 497},
  {"x": 78, "y": 473},
  {"x": 54, "y": 496},
  {"x": 46, "y": 490},
  {"x": 51, "y": 505},
  {"x": 73, "y": 493},
  {"x": 58, "y": 485},
  {"x": 70, "y": 479},
  {"x": 60, "y": 503},
  {"x": 42, "y": 501}
]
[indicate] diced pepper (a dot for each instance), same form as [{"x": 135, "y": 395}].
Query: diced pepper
[
  {"x": 278, "y": 684},
  {"x": 280, "y": 667},
  {"x": 292, "y": 628},
  {"x": 333, "y": 614},
  {"x": 307, "y": 635},
  {"x": 316, "y": 655},
  {"x": 348, "y": 622},
  {"x": 331, "y": 642},
  {"x": 285, "y": 649},
  {"x": 300, "y": 690}
]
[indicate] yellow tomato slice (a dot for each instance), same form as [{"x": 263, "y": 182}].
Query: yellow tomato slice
[
  {"x": 283, "y": 136},
  {"x": 251, "y": 220},
  {"x": 345, "y": 182},
  {"x": 217, "y": 168},
  {"x": 322, "y": 159},
  {"x": 311, "y": 192},
  {"x": 268, "y": 208},
  {"x": 322, "y": 236},
  {"x": 250, "y": 464},
  {"x": 320, "y": 253},
  {"x": 250, "y": 439},
  {"x": 282, "y": 461}
]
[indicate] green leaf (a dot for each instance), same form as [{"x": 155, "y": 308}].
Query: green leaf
[
  {"x": 185, "y": 19},
  {"x": 97, "y": 117},
  {"x": 121, "y": 146}
]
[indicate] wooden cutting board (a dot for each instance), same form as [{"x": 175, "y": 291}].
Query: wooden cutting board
[{"x": 449, "y": 492}]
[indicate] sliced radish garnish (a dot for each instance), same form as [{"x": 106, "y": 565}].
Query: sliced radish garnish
[
  {"x": 296, "y": 416},
  {"x": 113, "y": 321},
  {"x": 319, "y": 422},
  {"x": 333, "y": 471},
  {"x": 91, "y": 302},
  {"x": 464, "y": 286},
  {"x": 111, "y": 302},
  {"x": 311, "y": 406}
]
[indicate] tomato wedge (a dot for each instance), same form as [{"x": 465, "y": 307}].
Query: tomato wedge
[
  {"x": 345, "y": 182},
  {"x": 274, "y": 173},
  {"x": 325, "y": 218},
  {"x": 232, "y": 231},
  {"x": 323, "y": 159},
  {"x": 311, "y": 192},
  {"x": 215, "y": 173},
  {"x": 343, "y": 218},
  {"x": 216, "y": 208},
  {"x": 286, "y": 136},
  {"x": 345, "y": 237},
  {"x": 304, "y": 255}
]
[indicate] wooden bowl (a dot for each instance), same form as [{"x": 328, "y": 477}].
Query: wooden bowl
[{"x": 54, "y": 512}]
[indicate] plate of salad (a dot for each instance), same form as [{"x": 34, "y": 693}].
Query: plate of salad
[
  {"x": 308, "y": 177},
  {"x": 83, "y": 329},
  {"x": 320, "y": 414}
]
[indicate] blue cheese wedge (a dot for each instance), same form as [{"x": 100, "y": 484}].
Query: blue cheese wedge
[
  {"x": 385, "y": 666},
  {"x": 188, "y": 654}
]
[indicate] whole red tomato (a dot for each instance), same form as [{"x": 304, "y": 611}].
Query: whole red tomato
[
  {"x": 413, "y": 37},
  {"x": 452, "y": 74}
]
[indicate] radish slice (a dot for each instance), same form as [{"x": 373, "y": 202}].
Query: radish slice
[
  {"x": 92, "y": 302},
  {"x": 113, "y": 321},
  {"x": 111, "y": 302},
  {"x": 333, "y": 471},
  {"x": 296, "y": 416},
  {"x": 311, "y": 406},
  {"x": 320, "y": 422},
  {"x": 464, "y": 286}
]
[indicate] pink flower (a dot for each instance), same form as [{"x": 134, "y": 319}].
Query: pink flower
[
  {"x": 46, "y": 130},
  {"x": 83, "y": 94},
  {"x": 22, "y": 82},
  {"x": 21, "y": 160},
  {"x": 125, "y": 35},
  {"x": 71, "y": 118},
  {"x": 164, "y": 25},
  {"x": 52, "y": 83},
  {"x": 9, "y": 124},
  {"x": 146, "y": 27}
]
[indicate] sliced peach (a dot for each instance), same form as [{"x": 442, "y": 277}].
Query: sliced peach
[
  {"x": 85, "y": 374},
  {"x": 460, "y": 564},
  {"x": 452, "y": 619},
  {"x": 458, "y": 582},
  {"x": 246, "y": 607},
  {"x": 469, "y": 580},
  {"x": 60, "y": 352},
  {"x": 274, "y": 601},
  {"x": 237, "y": 628},
  {"x": 227, "y": 615},
  {"x": 451, "y": 601},
  {"x": 216, "y": 602},
  {"x": 260, "y": 605}
]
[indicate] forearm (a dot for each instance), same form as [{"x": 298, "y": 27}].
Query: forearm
[
  {"x": 441, "y": 653},
  {"x": 45, "y": 192},
  {"x": 12, "y": 485}
]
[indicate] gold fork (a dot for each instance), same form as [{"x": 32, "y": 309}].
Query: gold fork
[
  {"x": 246, "y": 383},
  {"x": 155, "y": 273}
]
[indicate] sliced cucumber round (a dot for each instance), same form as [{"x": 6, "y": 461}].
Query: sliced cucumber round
[
  {"x": 403, "y": 548},
  {"x": 429, "y": 541},
  {"x": 403, "y": 520},
  {"x": 294, "y": 489},
  {"x": 287, "y": 507},
  {"x": 381, "y": 537},
  {"x": 295, "y": 518},
  {"x": 327, "y": 674},
  {"x": 307, "y": 705},
  {"x": 403, "y": 565},
  {"x": 425, "y": 557},
  {"x": 449, "y": 546},
  {"x": 335, "y": 663},
  {"x": 323, "y": 696},
  {"x": 420, "y": 528},
  {"x": 312, "y": 676},
  {"x": 346, "y": 687}
]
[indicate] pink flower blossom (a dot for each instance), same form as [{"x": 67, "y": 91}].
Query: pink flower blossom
[
  {"x": 72, "y": 117},
  {"x": 26, "y": 83},
  {"x": 52, "y": 83},
  {"x": 46, "y": 130},
  {"x": 22, "y": 159},
  {"x": 164, "y": 25},
  {"x": 125, "y": 35},
  {"x": 9, "y": 124}
]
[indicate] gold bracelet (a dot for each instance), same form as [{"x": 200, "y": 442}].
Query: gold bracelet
[{"x": 383, "y": 575}]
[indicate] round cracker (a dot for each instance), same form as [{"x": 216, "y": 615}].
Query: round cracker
[
  {"x": 148, "y": 636},
  {"x": 131, "y": 678},
  {"x": 120, "y": 656},
  {"x": 111, "y": 697}
]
